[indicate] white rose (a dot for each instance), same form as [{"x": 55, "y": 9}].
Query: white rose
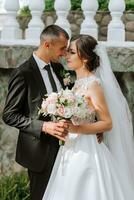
[
  {"x": 51, "y": 109},
  {"x": 68, "y": 112}
]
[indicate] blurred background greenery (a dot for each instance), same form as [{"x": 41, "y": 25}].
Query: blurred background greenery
[
  {"x": 14, "y": 187},
  {"x": 76, "y": 5}
]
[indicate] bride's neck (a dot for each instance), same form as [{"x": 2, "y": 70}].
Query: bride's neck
[{"x": 83, "y": 73}]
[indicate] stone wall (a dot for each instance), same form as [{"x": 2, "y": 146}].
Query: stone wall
[
  {"x": 122, "y": 60},
  {"x": 76, "y": 17}
]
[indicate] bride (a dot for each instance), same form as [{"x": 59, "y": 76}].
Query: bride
[{"x": 85, "y": 169}]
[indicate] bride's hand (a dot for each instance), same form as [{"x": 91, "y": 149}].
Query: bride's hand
[{"x": 72, "y": 128}]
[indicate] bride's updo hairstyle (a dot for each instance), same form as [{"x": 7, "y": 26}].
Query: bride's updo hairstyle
[{"x": 85, "y": 45}]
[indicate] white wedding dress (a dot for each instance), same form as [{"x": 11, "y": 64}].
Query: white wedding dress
[{"x": 85, "y": 169}]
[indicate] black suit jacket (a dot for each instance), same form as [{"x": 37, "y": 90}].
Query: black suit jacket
[{"x": 35, "y": 150}]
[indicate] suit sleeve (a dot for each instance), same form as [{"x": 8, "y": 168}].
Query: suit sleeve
[{"x": 13, "y": 114}]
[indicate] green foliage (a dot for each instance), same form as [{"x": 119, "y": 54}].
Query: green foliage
[
  {"x": 130, "y": 6},
  {"x": 25, "y": 11},
  {"x": 103, "y": 5},
  {"x": 49, "y": 5},
  {"x": 14, "y": 187},
  {"x": 76, "y": 4},
  {"x": 129, "y": 1}
]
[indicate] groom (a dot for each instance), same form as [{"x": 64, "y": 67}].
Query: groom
[{"x": 38, "y": 144}]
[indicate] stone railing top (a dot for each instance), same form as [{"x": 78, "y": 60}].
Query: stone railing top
[
  {"x": 19, "y": 42},
  {"x": 13, "y": 53},
  {"x": 125, "y": 44}
]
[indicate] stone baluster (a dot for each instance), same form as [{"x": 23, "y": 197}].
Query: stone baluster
[
  {"x": 36, "y": 25},
  {"x": 1, "y": 5},
  {"x": 116, "y": 29},
  {"x": 2, "y": 16},
  {"x": 89, "y": 25},
  {"x": 11, "y": 28},
  {"x": 62, "y": 9}
]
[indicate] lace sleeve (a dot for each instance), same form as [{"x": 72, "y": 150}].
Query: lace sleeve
[{"x": 93, "y": 81}]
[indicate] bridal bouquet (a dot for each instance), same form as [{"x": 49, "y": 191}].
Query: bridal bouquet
[
  {"x": 65, "y": 105},
  {"x": 61, "y": 105}
]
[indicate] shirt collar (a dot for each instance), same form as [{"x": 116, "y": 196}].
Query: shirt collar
[{"x": 40, "y": 62}]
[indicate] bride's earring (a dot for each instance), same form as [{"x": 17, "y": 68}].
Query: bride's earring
[{"x": 84, "y": 64}]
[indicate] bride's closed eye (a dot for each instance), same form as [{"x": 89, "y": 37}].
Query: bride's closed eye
[{"x": 71, "y": 51}]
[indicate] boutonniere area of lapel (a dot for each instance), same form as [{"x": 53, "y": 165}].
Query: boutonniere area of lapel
[{"x": 68, "y": 78}]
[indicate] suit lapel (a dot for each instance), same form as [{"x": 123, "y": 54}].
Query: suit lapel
[
  {"x": 56, "y": 68},
  {"x": 37, "y": 76}
]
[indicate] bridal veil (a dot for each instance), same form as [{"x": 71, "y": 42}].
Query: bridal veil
[{"x": 120, "y": 139}]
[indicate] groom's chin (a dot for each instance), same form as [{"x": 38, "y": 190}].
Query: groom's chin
[{"x": 55, "y": 60}]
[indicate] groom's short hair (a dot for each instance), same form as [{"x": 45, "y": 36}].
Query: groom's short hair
[{"x": 54, "y": 32}]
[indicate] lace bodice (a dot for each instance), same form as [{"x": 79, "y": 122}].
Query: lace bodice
[
  {"x": 81, "y": 85},
  {"x": 80, "y": 88}
]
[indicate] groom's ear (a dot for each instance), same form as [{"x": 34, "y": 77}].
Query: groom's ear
[{"x": 46, "y": 44}]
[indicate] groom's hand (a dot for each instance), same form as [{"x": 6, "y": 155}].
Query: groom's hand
[{"x": 56, "y": 129}]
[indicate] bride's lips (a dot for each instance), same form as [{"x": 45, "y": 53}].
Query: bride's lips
[{"x": 68, "y": 61}]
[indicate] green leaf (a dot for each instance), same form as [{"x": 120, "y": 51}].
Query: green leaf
[{"x": 14, "y": 187}]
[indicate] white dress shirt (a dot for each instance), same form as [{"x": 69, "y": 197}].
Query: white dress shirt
[{"x": 41, "y": 64}]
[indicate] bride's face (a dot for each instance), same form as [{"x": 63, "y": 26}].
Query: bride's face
[{"x": 73, "y": 60}]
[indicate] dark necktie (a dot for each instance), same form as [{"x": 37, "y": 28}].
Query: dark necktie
[{"x": 50, "y": 76}]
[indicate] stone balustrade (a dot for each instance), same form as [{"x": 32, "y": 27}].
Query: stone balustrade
[
  {"x": 75, "y": 19},
  {"x": 116, "y": 28}
]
